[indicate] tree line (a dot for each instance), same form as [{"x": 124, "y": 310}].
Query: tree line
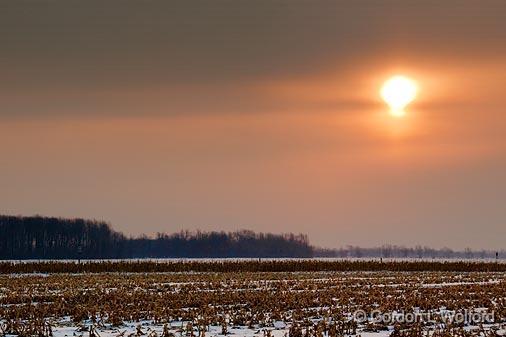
[
  {"x": 40, "y": 237},
  {"x": 401, "y": 252}
]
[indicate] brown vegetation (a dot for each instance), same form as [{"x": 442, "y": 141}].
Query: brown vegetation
[{"x": 311, "y": 304}]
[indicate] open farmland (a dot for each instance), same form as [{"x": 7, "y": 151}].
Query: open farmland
[{"x": 295, "y": 304}]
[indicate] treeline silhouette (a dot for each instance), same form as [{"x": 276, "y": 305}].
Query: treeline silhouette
[
  {"x": 401, "y": 252},
  {"x": 40, "y": 237}
]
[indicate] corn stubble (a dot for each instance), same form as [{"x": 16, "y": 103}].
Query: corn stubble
[{"x": 308, "y": 304}]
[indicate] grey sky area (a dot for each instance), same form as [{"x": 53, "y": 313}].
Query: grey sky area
[{"x": 169, "y": 115}]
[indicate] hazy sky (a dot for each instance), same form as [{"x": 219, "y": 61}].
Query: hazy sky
[{"x": 265, "y": 115}]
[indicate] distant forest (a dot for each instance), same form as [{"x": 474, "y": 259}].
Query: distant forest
[
  {"x": 400, "y": 252},
  {"x": 55, "y": 238},
  {"x": 40, "y": 237}
]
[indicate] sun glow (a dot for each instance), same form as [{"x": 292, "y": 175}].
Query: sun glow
[{"x": 398, "y": 92}]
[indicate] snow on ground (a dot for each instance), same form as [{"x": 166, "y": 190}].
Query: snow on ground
[{"x": 319, "y": 288}]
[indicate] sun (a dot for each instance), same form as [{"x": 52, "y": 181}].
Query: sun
[{"x": 398, "y": 91}]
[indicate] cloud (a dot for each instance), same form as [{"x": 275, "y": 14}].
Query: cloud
[{"x": 75, "y": 59}]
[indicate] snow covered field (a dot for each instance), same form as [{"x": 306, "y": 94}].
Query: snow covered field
[{"x": 269, "y": 304}]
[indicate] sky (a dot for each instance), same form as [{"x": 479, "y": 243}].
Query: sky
[{"x": 158, "y": 116}]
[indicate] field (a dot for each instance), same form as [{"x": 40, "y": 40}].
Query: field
[{"x": 253, "y": 303}]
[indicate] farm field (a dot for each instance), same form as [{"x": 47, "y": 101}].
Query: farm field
[{"x": 264, "y": 304}]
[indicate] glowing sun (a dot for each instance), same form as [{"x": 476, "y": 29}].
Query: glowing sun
[{"x": 398, "y": 91}]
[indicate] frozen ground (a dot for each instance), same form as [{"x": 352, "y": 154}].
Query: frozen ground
[
  {"x": 320, "y": 304},
  {"x": 67, "y": 328}
]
